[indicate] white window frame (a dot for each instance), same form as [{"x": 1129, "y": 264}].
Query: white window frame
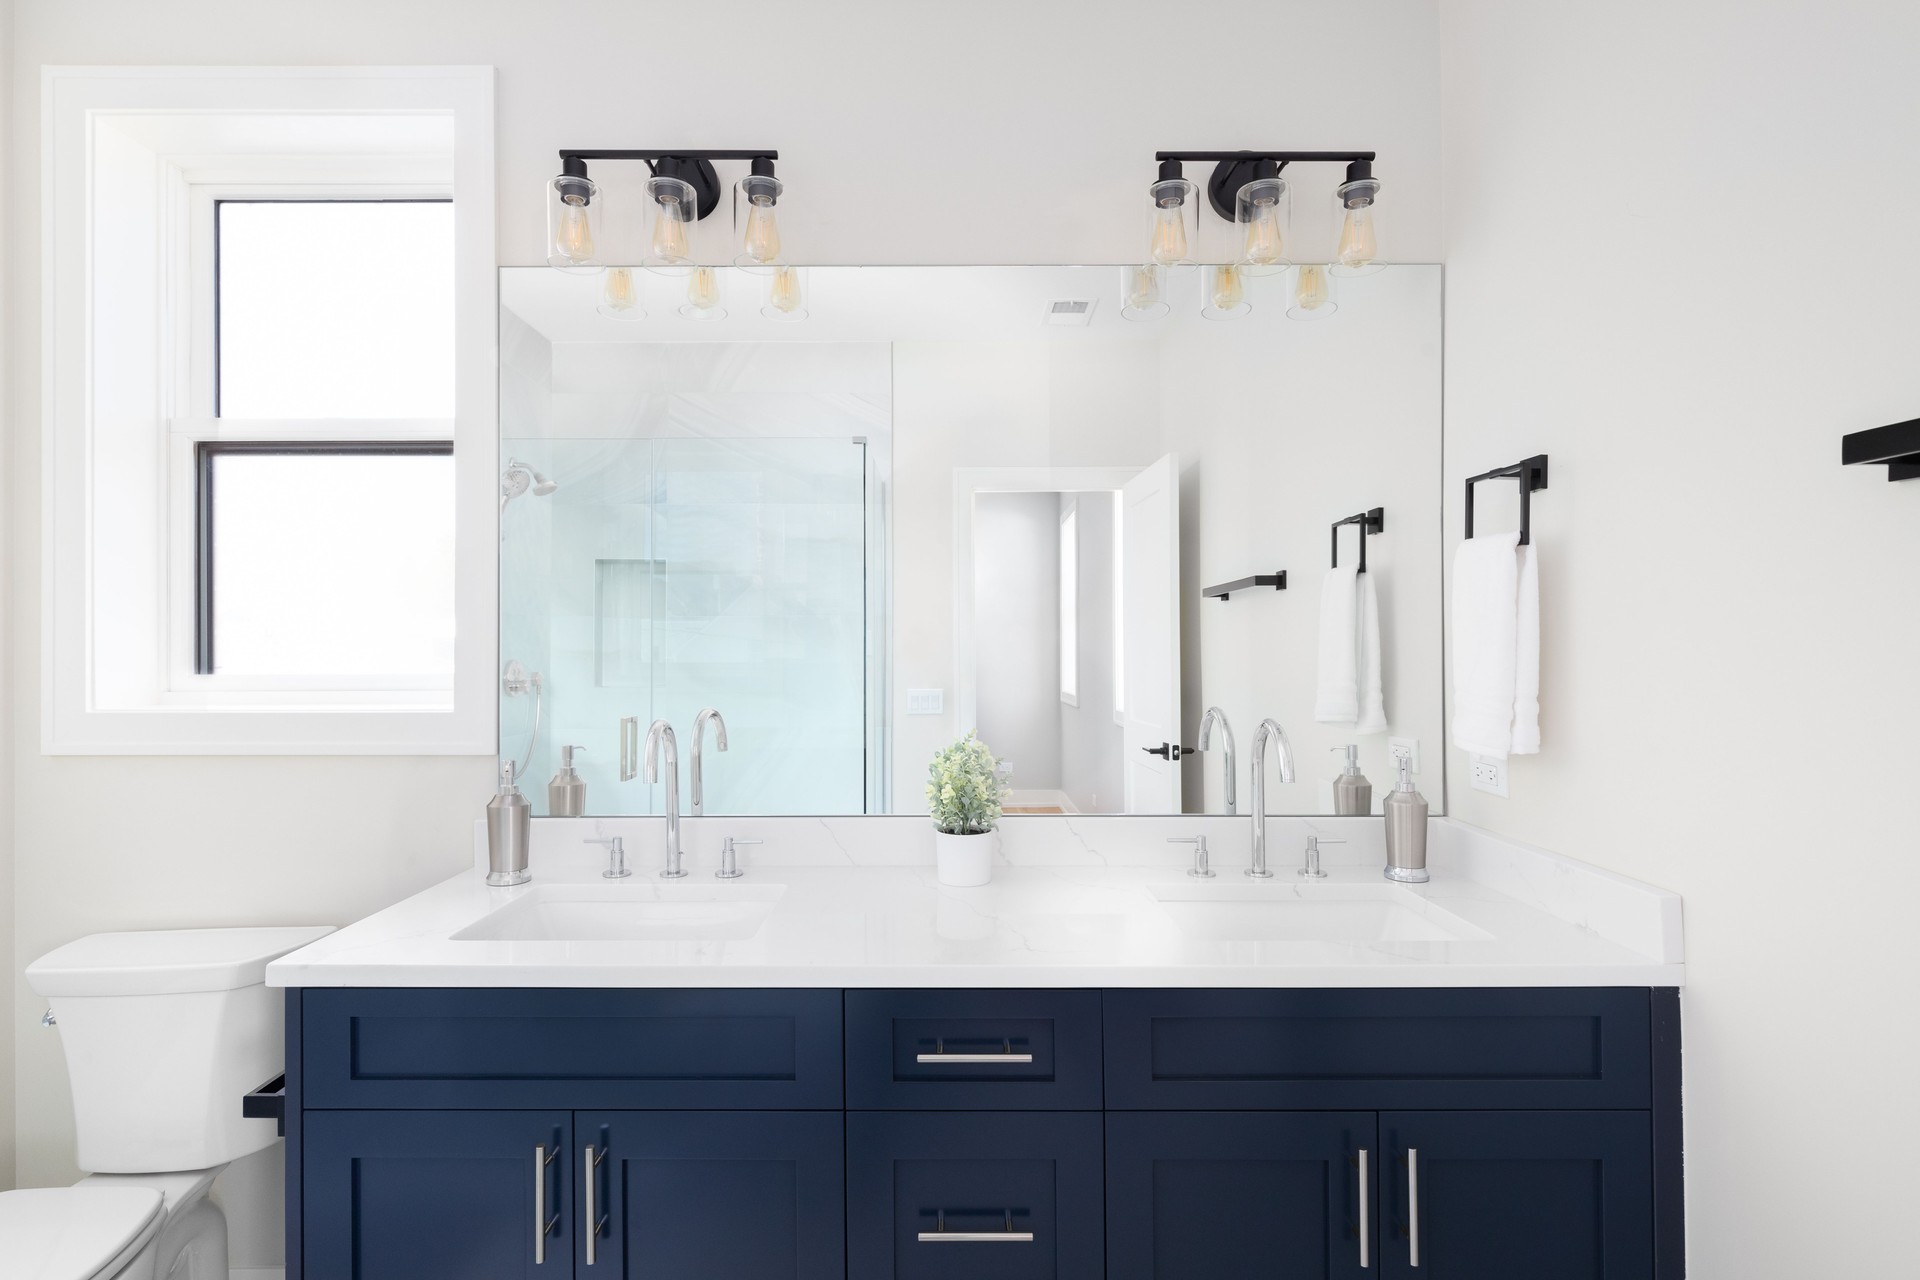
[
  {"x": 1069, "y": 558},
  {"x": 118, "y": 664}
]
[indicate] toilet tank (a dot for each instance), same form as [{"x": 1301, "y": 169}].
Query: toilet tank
[{"x": 164, "y": 1033}]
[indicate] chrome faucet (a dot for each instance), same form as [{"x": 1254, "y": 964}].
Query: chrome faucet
[
  {"x": 1268, "y": 729},
  {"x": 699, "y": 735},
  {"x": 1216, "y": 716},
  {"x": 660, "y": 742}
]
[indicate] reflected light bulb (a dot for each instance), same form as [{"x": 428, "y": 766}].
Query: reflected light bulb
[
  {"x": 618, "y": 293},
  {"x": 784, "y": 294},
  {"x": 1228, "y": 292},
  {"x": 573, "y": 237},
  {"x": 1262, "y": 246},
  {"x": 1143, "y": 288},
  {"x": 703, "y": 289},
  {"x": 1169, "y": 234},
  {"x": 763, "y": 231},
  {"x": 669, "y": 240},
  {"x": 1358, "y": 246},
  {"x": 1310, "y": 291}
]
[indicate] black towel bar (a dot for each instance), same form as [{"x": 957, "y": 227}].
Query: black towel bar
[
  {"x": 1531, "y": 473},
  {"x": 1370, "y": 522},
  {"x": 1898, "y": 446},
  {"x": 268, "y": 1102},
  {"x": 1278, "y": 581}
]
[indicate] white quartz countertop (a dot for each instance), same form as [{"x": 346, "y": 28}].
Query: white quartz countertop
[{"x": 1494, "y": 914}]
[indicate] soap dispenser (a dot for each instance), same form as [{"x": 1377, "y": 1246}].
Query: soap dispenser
[
  {"x": 1406, "y": 814},
  {"x": 509, "y": 831},
  {"x": 1352, "y": 793},
  {"x": 567, "y": 790}
]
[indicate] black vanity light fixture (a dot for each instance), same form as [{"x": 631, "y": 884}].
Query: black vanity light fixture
[
  {"x": 1896, "y": 446},
  {"x": 1249, "y": 189}
]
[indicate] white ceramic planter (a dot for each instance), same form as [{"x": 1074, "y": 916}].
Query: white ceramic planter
[{"x": 963, "y": 861}]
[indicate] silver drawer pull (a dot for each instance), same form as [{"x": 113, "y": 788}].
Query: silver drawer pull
[
  {"x": 1366, "y": 1227},
  {"x": 940, "y": 1234},
  {"x": 596, "y": 1222},
  {"x": 542, "y": 1225},
  {"x": 1413, "y": 1207},
  {"x": 940, "y": 1054}
]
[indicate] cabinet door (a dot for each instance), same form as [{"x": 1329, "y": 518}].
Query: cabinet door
[
  {"x": 960, "y": 1195},
  {"x": 710, "y": 1195},
  {"x": 438, "y": 1195},
  {"x": 1549, "y": 1195},
  {"x": 1241, "y": 1196}
]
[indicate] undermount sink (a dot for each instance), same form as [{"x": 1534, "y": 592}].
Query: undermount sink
[
  {"x": 642, "y": 912},
  {"x": 1248, "y": 912}
]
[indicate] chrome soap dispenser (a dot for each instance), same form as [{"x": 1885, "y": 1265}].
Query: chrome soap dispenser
[
  {"x": 1352, "y": 793},
  {"x": 1406, "y": 815},
  {"x": 567, "y": 790},
  {"x": 509, "y": 832}
]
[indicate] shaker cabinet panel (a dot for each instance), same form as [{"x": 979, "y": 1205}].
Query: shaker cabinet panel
[
  {"x": 710, "y": 1195},
  {"x": 1233, "y": 1196},
  {"x": 438, "y": 1195},
  {"x": 1546, "y": 1195}
]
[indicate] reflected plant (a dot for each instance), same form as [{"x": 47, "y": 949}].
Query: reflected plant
[{"x": 963, "y": 788}]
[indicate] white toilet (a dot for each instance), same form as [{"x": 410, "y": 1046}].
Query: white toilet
[{"x": 164, "y": 1033}]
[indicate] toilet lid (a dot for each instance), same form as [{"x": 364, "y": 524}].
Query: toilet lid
[{"x": 75, "y": 1233}]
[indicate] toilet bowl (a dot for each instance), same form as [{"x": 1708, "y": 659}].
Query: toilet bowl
[{"x": 164, "y": 1033}]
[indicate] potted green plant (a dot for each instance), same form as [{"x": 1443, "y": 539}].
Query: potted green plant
[{"x": 963, "y": 795}]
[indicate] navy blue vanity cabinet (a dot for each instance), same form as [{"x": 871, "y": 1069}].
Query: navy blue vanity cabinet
[
  {"x": 1549, "y": 1195},
  {"x": 710, "y": 1195},
  {"x": 436, "y": 1195},
  {"x": 1219, "y": 1195},
  {"x": 960, "y": 1195},
  {"x": 973, "y": 1050}
]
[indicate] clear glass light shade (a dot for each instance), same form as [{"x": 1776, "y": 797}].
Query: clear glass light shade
[
  {"x": 573, "y": 226},
  {"x": 1223, "y": 293},
  {"x": 671, "y": 211},
  {"x": 1358, "y": 253},
  {"x": 1262, "y": 212},
  {"x": 1143, "y": 292},
  {"x": 755, "y": 213},
  {"x": 706, "y": 300},
  {"x": 620, "y": 295},
  {"x": 1174, "y": 223},
  {"x": 1312, "y": 294},
  {"x": 785, "y": 298}
]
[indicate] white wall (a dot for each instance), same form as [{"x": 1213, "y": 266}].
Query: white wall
[
  {"x": 1680, "y": 262},
  {"x": 1016, "y": 621}
]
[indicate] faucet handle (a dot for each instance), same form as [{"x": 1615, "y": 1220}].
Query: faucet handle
[{"x": 1200, "y": 870}]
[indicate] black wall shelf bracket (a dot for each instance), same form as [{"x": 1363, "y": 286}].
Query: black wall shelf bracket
[
  {"x": 1370, "y": 522},
  {"x": 1531, "y": 473},
  {"x": 1278, "y": 581},
  {"x": 1897, "y": 446}
]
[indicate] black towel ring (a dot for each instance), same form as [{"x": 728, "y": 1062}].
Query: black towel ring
[
  {"x": 1370, "y": 522},
  {"x": 1531, "y": 473}
]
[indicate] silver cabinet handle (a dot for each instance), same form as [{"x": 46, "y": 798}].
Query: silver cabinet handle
[
  {"x": 1413, "y": 1207},
  {"x": 1366, "y": 1228},
  {"x": 596, "y": 1222},
  {"x": 940, "y": 1234},
  {"x": 940, "y": 1054},
  {"x": 542, "y": 1224},
  {"x": 629, "y": 748}
]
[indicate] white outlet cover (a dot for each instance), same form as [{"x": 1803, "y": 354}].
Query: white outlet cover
[
  {"x": 926, "y": 702},
  {"x": 1489, "y": 774},
  {"x": 1409, "y": 747}
]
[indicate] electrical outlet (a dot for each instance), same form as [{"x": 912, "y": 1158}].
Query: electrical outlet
[
  {"x": 925, "y": 702},
  {"x": 1490, "y": 775},
  {"x": 1407, "y": 749}
]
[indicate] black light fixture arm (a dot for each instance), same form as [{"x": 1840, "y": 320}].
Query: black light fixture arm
[
  {"x": 1278, "y": 157},
  {"x": 690, "y": 165},
  {"x": 1233, "y": 170}
]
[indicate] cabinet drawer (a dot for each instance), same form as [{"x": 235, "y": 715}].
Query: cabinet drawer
[
  {"x": 578, "y": 1049},
  {"x": 1520, "y": 1048},
  {"x": 973, "y": 1050},
  {"x": 954, "y": 1196}
]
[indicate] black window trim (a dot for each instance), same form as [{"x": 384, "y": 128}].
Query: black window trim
[{"x": 204, "y": 454}]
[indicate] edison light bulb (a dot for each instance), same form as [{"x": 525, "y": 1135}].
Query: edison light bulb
[
  {"x": 1358, "y": 246},
  {"x": 763, "y": 230},
  {"x": 1169, "y": 233},
  {"x": 1227, "y": 291},
  {"x": 573, "y": 237},
  {"x": 703, "y": 289},
  {"x": 1310, "y": 291},
  {"x": 669, "y": 240},
  {"x": 1143, "y": 288},
  {"x": 617, "y": 292},
  {"x": 1263, "y": 246},
  {"x": 783, "y": 295}
]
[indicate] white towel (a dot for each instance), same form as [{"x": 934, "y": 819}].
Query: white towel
[
  {"x": 1337, "y": 694},
  {"x": 1496, "y": 647},
  {"x": 1348, "y": 690}
]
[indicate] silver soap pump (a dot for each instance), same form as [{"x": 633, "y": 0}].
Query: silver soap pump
[
  {"x": 1352, "y": 793},
  {"x": 1406, "y": 814},
  {"x": 509, "y": 831},
  {"x": 567, "y": 790}
]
